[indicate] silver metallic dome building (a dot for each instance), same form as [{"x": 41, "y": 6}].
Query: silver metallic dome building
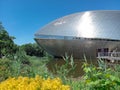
[{"x": 84, "y": 33}]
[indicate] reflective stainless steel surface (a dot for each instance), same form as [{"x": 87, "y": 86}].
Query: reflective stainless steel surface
[
  {"x": 81, "y": 33},
  {"x": 77, "y": 48}
]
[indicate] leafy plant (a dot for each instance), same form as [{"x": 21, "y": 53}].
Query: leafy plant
[
  {"x": 65, "y": 69},
  {"x": 5, "y": 70},
  {"x": 7, "y": 46},
  {"x": 116, "y": 71},
  {"x": 33, "y": 50},
  {"x": 99, "y": 78}
]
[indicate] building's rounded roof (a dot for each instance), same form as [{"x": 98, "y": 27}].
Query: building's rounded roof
[{"x": 89, "y": 24}]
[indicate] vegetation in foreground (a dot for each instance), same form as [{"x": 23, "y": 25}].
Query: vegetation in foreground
[{"x": 95, "y": 77}]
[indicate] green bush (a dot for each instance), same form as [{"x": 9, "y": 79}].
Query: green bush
[
  {"x": 5, "y": 71},
  {"x": 100, "y": 78},
  {"x": 15, "y": 68}
]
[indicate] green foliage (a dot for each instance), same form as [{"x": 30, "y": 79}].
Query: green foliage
[
  {"x": 99, "y": 78},
  {"x": 33, "y": 50},
  {"x": 7, "y": 46},
  {"x": 21, "y": 56},
  {"x": 65, "y": 69},
  {"x": 5, "y": 71},
  {"x": 20, "y": 64},
  {"x": 15, "y": 66},
  {"x": 116, "y": 71},
  {"x": 76, "y": 84},
  {"x": 39, "y": 66},
  {"x": 23, "y": 65}
]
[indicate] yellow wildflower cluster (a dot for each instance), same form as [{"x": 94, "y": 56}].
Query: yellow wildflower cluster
[{"x": 37, "y": 83}]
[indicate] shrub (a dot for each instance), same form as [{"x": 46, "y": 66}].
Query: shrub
[
  {"x": 37, "y": 83},
  {"x": 5, "y": 71},
  {"x": 22, "y": 65},
  {"x": 100, "y": 78}
]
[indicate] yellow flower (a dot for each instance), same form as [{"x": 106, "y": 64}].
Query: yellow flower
[{"x": 37, "y": 83}]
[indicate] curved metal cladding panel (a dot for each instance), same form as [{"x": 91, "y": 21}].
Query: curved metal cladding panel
[
  {"x": 89, "y": 24},
  {"x": 77, "y": 48},
  {"x": 81, "y": 33}
]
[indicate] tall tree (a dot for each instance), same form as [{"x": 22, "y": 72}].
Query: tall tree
[{"x": 7, "y": 46}]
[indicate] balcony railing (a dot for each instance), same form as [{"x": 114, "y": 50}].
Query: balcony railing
[{"x": 109, "y": 55}]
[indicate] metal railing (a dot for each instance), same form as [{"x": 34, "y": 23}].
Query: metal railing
[{"x": 111, "y": 54}]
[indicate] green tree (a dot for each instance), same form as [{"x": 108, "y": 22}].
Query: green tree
[
  {"x": 7, "y": 46},
  {"x": 33, "y": 50}
]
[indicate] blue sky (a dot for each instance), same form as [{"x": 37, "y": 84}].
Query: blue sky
[{"x": 22, "y": 18}]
